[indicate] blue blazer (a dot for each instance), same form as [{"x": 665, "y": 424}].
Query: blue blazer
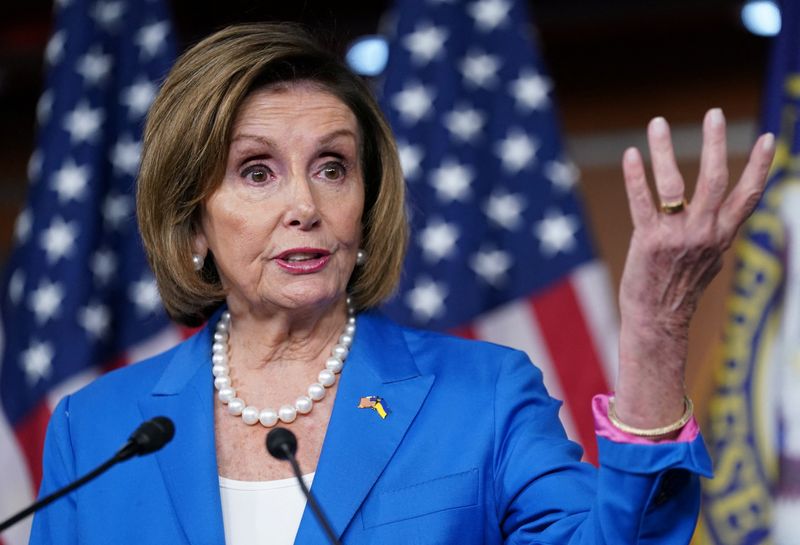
[{"x": 472, "y": 451}]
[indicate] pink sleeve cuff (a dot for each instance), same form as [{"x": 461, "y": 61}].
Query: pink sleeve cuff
[{"x": 604, "y": 428}]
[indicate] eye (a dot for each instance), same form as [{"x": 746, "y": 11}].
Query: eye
[
  {"x": 333, "y": 171},
  {"x": 257, "y": 173}
]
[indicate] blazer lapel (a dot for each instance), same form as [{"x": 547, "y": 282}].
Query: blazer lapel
[
  {"x": 189, "y": 465},
  {"x": 358, "y": 443}
]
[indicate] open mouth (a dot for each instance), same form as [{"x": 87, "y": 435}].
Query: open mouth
[
  {"x": 303, "y": 260},
  {"x": 295, "y": 258}
]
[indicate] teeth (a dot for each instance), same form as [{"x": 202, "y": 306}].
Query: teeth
[{"x": 301, "y": 257}]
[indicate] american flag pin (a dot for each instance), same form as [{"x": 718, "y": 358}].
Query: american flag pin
[{"x": 378, "y": 404}]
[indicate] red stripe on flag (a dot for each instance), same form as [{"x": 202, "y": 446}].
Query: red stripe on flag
[
  {"x": 574, "y": 356},
  {"x": 465, "y": 331},
  {"x": 30, "y": 432}
]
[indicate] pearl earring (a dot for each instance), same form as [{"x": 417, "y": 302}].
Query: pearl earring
[
  {"x": 198, "y": 261},
  {"x": 361, "y": 257}
]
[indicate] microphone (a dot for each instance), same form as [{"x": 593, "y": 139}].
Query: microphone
[
  {"x": 149, "y": 437},
  {"x": 282, "y": 444}
]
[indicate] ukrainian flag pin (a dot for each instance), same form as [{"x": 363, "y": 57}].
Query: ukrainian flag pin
[{"x": 376, "y": 403}]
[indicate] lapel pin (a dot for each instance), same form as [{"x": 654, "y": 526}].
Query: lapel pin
[{"x": 376, "y": 403}]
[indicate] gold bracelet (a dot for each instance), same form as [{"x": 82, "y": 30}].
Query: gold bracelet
[{"x": 652, "y": 432}]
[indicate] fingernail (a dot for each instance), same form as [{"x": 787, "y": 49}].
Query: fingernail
[
  {"x": 658, "y": 126},
  {"x": 629, "y": 155},
  {"x": 768, "y": 143},
  {"x": 716, "y": 117}
]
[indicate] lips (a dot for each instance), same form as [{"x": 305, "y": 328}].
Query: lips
[{"x": 303, "y": 260}]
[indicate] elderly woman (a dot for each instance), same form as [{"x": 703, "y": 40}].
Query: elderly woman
[{"x": 271, "y": 206}]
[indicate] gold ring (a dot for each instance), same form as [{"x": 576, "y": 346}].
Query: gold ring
[{"x": 673, "y": 207}]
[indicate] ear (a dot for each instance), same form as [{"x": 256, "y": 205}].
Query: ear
[{"x": 199, "y": 242}]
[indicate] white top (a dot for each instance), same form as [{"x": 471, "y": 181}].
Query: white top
[{"x": 263, "y": 512}]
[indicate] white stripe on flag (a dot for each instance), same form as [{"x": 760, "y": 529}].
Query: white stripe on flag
[
  {"x": 593, "y": 289},
  {"x": 514, "y": 325},
  {"x": 70, "y": 386},
  {"x": 158, "y": 343},
  {"x": 17, "y": 487}
]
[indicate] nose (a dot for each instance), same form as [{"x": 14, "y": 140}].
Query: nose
[{"x": 301, "y": 211}]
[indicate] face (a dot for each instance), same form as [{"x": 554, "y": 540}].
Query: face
[{"x": 284, "y": 225}]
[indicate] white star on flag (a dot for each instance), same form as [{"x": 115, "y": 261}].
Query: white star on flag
[
  {"x": 70, "y": 181},
  {"x": 94, "y": 66},
  {"x": 410, "y": 159},
  {"x": 83, "y": 123},
  {"x": 95, "y": 319},
  {"x": 103, "y": 265},
  {"x": 44, "y": 107},
  {"x": 413, "y": 102},
  {"x": 438, "y": 240},
  {"x": 489, "y": 14},
  {"x": 125, "y": 155},
  {"x": 464, "y": 123},
  {"x": 144, "y": 294},
  {"x": 45, "y": 301},
  {"x": 426, "y": 299},
  {"x": 55, "y": 47},
  {"x": 58, "y": 239},
  {"x": 34, "y": 167},
  {"x": 530, "y": 91},
  {"x": 517, "y": 150},
  {"x": 151, "y": 38},
  {"x": 563, "y": 174},
  {"x": 491, "y": 265},
  {"x": 117, "y": 209},
  {"x": 37, "y": 361},
  {"x": 505, "y": 209},
  {"x": 480, "y": 69},
  {"x": 108, "y": 14},
  {"x": 22, "y": 227},
  {"x": 556, "y": 233},
  {"x": 16, "y": 287},
  {"x": 452, "y": 181},
  {"x": 138, "y": 97},
  {"x": 425, "y": 43}
]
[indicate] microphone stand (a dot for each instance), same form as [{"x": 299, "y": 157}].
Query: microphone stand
[
  {"x": 282, "y": 444},
  {"x": 147, "y": 438},
  {"x": 47, "y": 500}
]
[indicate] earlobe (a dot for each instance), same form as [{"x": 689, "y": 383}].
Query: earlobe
[{"x": 199, "y": 244}]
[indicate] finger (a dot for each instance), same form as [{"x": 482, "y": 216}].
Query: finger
[
  {"x": 713, "y": 180},
  {"x": 745, "y": 196},
  {"x": 669, "y": 182},
  {"x": 640, "y": 200}
]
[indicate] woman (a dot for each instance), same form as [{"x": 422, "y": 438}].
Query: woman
[{"x": 271, "y": 206}]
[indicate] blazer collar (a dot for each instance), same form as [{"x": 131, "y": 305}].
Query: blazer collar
[
  {"x": 189, "y": 465},
  {"x": 358, "y": 443}
]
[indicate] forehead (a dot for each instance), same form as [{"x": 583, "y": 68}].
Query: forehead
[{"x": 302, "y": 105}]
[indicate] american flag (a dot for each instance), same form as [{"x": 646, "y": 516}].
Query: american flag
[
  {"x": 499, "y": 247},
  {"x": 77, "y": 295}
]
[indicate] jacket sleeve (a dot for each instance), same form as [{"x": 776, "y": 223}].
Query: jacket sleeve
[
  {"x": 56, "y": 524},
  {"x": 641, "y": 493}
]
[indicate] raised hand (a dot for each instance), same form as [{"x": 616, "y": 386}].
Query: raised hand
[{"x": 675, "y": 251}]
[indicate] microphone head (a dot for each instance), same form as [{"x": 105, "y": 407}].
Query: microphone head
[
  {"x": 152, "y": 435},
  {"x": 281, "y": 443}
]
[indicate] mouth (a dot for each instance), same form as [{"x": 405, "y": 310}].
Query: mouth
[{"x": 303, "y": 260}]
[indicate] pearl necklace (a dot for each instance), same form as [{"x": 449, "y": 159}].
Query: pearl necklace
[{"x": 286, "y": 413}]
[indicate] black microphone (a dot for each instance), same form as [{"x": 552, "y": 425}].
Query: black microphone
[
  {"x": 282, "y": 444},
  {"x": 148, "y": 437}
]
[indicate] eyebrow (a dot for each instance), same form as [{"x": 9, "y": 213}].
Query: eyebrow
[{"x": 324, "y": 141}]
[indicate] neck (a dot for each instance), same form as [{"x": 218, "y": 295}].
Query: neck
[{"x": 290, "y": 337}]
